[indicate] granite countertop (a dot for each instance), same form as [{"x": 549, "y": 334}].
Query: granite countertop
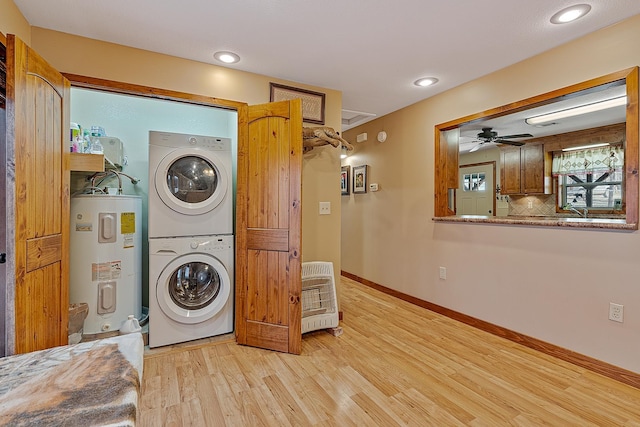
[{"x": 544, "y": 221}]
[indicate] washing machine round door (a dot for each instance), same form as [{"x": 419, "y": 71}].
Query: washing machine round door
[
  {"x": 191, "y": 181},
  {"x": 193, "y": 288}
]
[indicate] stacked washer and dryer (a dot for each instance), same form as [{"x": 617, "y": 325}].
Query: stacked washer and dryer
[{"x": 191, "y": 243}]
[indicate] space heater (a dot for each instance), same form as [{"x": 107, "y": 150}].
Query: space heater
[{"x": 319, "y": 302}]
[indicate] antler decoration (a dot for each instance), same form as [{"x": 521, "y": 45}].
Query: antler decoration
[{"x": 317, "y": 136}]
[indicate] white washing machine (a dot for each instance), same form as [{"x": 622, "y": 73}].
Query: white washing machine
[
  {"x": 191, "y": 288},
  {"x": 190, "y": 185}
]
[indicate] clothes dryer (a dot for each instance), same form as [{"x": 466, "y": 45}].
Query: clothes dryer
[
  {"x": 191, "y": 287},
  {"x": 190, "y": 185}
]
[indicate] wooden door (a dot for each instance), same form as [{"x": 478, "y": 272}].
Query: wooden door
[
  {"x": 269, "y": 227},
  {"x": 37, "y": 144}
]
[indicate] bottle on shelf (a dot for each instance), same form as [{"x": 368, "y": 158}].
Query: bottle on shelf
[
  {"x": 73, "y": 137},
  {"x": 96, "y": 145}
]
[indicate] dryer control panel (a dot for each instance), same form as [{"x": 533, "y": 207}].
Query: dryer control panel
[
  {"x": 180, "y": 140},
  {"x": 211, "y": 244},
  {"x": 210, "y": 143}
]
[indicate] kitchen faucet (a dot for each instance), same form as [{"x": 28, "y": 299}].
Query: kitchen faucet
[{"x": 583, "y": 214}]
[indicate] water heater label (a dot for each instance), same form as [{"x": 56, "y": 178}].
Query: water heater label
[
  {"x": 128, "y": 241},
  {"x": 106, "y": 270},
  {"x": 84, "y": 226},
  {"x": 127, "y": 223}
]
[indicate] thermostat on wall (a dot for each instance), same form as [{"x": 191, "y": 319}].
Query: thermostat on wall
[{"x": 373, "y": 187}]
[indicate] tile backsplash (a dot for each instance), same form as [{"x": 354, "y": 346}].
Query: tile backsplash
[{"x": 541, "y": 205}]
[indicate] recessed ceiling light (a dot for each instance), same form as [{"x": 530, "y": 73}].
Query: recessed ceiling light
[
  {"x": 226, "y": 57},
  {"x": 426, "y": 81},
  {"x": 571, "y": 13}
]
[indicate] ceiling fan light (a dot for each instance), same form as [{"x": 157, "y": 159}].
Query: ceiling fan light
[{"x": 570, "y": 14}]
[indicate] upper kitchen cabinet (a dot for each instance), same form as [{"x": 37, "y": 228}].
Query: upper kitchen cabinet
[{"x": 525, "y": 170}]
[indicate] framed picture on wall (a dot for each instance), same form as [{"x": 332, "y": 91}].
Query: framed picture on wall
[
  {"x": 360, "y": 179},
  {"x": 312, "y": 102},
  {"x": 344, "y": 180}
]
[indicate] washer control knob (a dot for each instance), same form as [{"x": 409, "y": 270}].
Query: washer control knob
[
  {"x": 194, "y": 245},
  {"x": 193, "y": 140}
]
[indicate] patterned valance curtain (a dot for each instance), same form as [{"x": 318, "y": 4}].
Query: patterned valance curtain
[{"x": 589, "y": 161}]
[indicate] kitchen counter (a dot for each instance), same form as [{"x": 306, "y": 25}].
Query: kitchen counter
[{"x": 543, "y": 221}]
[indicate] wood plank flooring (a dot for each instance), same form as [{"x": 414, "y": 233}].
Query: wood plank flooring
[{"x": 396, "y": 364}]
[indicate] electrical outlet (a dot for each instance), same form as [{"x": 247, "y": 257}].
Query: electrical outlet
[
  {"x": 616, "y": 312},
  {"x": 325, "y": 208},
  {"x": 530, "y": 204},
  {"x": 443, "y": 273}
]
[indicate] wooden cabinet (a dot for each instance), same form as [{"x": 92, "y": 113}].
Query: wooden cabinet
[
  {"x": 510, "y": 170},
  {"x": 525, "y": 170},
  {"x": 84, "y": 162}
]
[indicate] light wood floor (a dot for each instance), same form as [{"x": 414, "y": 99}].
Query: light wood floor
[{"x": 395, "y": 364}]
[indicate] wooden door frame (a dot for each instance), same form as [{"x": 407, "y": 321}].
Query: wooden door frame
[
  {"x": 491, "y": 163},
  {"x": 113, "y": 86},
  {"x": 3, "y": 222}
]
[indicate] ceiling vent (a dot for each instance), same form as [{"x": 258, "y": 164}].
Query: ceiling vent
[{"x": 352, "y": 118}]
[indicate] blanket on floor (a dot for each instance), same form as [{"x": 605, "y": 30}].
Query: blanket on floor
[{"x": 88, "y": 384}]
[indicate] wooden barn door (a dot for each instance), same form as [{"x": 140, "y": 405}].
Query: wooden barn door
[
  {"x": 269, "y": 227},
  {"x": 37, "y": 144}
]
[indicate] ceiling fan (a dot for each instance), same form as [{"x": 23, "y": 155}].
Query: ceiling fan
[{"x": 489, "y": 136}]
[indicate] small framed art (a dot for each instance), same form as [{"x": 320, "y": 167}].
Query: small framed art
[
  {"x": 360, "y": 179},
  {"x": 344, "y": 180}
]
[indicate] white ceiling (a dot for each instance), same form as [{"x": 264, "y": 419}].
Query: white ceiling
[{"x": 371, "y": 51}]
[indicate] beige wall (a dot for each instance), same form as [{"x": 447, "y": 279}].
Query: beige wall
[
  {"x": 548, "y": 283},
  {"x": 12, "y": 21}
]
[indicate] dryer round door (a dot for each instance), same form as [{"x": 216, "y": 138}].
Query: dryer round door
[
  {"x": 193, "y": 288},
  {"x": 191, "y": 181}
]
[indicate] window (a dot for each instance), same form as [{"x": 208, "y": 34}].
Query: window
[
  {"x": 590, "y": 178},
  {"x": 474, "y": 182}
]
